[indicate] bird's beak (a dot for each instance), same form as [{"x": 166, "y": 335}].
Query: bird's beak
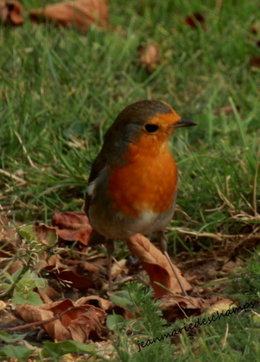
[{"x": 184, "y": 123}]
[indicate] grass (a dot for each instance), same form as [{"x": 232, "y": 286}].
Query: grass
[{"x": 62, "y": 89}]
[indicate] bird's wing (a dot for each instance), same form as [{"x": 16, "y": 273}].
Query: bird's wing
[
  {"x": 98, "y": 165},
  {"x": 102, "y": 160}
]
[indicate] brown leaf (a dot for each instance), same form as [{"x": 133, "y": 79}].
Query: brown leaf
[
  {"x": 7, "y": 318},
  {"x": 78, "y": 321},
  {"x": 97, "y": 301},
  {"x": 7, "y": 231},
  {"x": 48, "y": 294},
  {"x": 149, "y": 55},
  {"x": 255, "y": 62},
  {"x": 157, "y": 266},
  {"x": 8, "y": 236},
  {"x": 119, "y": 268},
  {"x": 15, "y": 266},
  {"x": 68, "y": 274},
  {"x": 70, "y": 220},
  {"x": 221, "y": 305},
  {"x": 255, "y": 27},
  {"x": 226, "y": 110},
  {"x": 85, "y": 266},
  {"x": 46, "y": 234},
  {"x": 174, "y": 307},
  {"x": 73, "y": 226},
  {"x": 194, "y": 20},
  {"x": 11, "y": 12},
  {"x": 79, "y": 13}
]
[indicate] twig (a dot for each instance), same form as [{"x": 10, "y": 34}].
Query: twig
[
  {"x": 175, "y": 274},
  {"x": 217, "y": 236}
]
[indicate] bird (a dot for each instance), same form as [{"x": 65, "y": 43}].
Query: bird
[{"x": 132, "y": 184}]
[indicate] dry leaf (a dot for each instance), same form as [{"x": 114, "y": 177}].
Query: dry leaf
[
  {"x": 255, "y": 27},
  {"x": 157, "y": 266},
  {"x": 48, "y": 294},
  {"x": 46, "y": 234},
  {"x": 221, "y": 305},
  {"x": 79, "y": 321},
  {"x": 73, "y": 226},
  {"x": 149, "y": 55},
  {"x": 11, "y": 12},
  {"x": 85, "y": 266},
  {"x": 68, "y": 274},
  {"x": 79, "y": 13},
  {"x": 97, "y": 301},
  {"x": 2, "y": 305},
  {"x": 71, "y": 220},
  {"x": 9, "y": 238},
  {"x": 226, "y": 110},
  {"x": 7, "y": 318},
  {"x": 175, "y": 307},
  {"x": 194, "y": 20},
  {"x": 7, "y": 231},
  {"x": 119, "y": 268},
  {"x": 255, "y": 62}
]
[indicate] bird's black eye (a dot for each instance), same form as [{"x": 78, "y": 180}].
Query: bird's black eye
[{"x": 151, "y": 128}]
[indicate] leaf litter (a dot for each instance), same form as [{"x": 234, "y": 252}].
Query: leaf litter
[
  {"x": 80, "y": 13},
  {"x": 72, "y": 269}
]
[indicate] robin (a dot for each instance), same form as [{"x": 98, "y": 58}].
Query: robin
[{"x": 133, "y": 181}]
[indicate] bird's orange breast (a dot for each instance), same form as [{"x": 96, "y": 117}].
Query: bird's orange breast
[{"x": 147, "y": 182}]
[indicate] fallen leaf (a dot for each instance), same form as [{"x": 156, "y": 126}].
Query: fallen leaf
[
  {"x": 70, "y": 220},
  {"x": 157, "y": 266},
  {"x": 195, "y": 20},
  {"x": 176, "y": 307},
  {"x": 97, "y": 301},
  {"x": 2, "y": 305},
  {"x": 221, "y": 305},
  {"x": 11, "y": 12},
  {"x": 119, "y": 268},
  {"x": 255, "y": 27},
  {"x": 149, "y": 55},
  {"x": 7, "y": 230},
  {"x": 85, "y": 266},
  {"x": 73, "y": 226},
  {"x": 48, "y": 294},
  {"x": 15, "y": 266},
  {"x": 255, "y": 62},
  {"x": 46, "y": 234},
  {"x": 79, "y": 13},
  {"x": 226, "y": 110},
  {"x": 9, "y": 237},
  {"x": 7, "y": 318},
  {"x": 68, "y": 275},
  {"x": 231, "y": 265},
  {"x": 77, "y": 321}
]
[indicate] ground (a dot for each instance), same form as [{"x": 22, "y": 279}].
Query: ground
[{"x": 61, "y": 89}]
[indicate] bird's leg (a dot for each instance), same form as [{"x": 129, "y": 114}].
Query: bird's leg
[
  {"x": 163, "y": 240},
  {"x": 110, "y": 251}
]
